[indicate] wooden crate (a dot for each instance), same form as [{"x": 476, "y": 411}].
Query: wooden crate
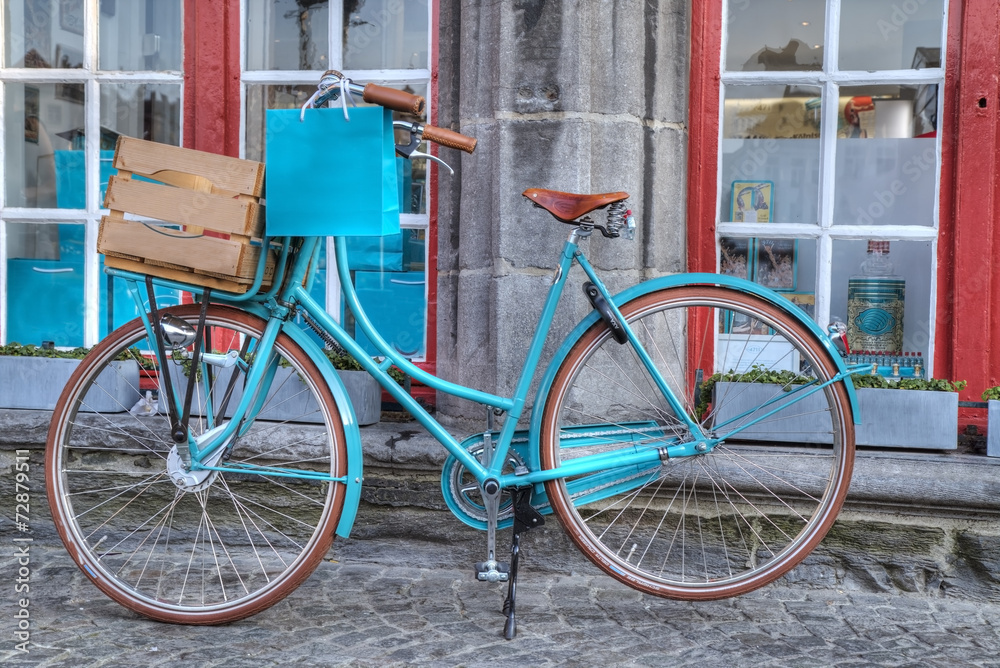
[{"x": 213, "y": 199}]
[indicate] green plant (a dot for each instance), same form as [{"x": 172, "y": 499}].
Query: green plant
[
  {"x": 925, "y": 384},
  {"x": 342, "y": 361},
  {"x": 991, "y": 393},
  {"x": 15, "y": 349},
  {"x": 755, "y": 374}
]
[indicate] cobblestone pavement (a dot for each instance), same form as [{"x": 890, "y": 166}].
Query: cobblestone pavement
[{"x": 386, "y": 599}]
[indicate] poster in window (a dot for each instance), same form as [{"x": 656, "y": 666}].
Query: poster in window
[
  {"x": 774, "y": 263},
  {"x": 753, "y": 201},
  {"x": 734, "y": 260},
  {"x": 734, "y": 257}
]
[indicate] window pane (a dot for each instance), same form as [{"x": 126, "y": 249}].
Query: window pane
[
  {"x": 786, "y": 265},
  {"x": 889, "y": 176},
  {"x": 145, "y": 111},
  {"x": 262, "y": 98},
  {"x": 288, "y": 34},
  {"x": 42, "y": 33},
  {"x": 45, "y": 283},
  {"x": 385, "y": 34},
  {"x": 770, "y": 154},
  {"x": 142, "y": 36},
  {"x": 890, "y": 35},
  {"x": 775, "y": 35},
  {"x": 905, "y": 291},
  {"x": 43, "y": 128}
]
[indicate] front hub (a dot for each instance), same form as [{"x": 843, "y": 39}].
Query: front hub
[{"x": 183, "y": 476}]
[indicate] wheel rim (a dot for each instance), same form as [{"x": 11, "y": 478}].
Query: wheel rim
[
  {"x": 714, "y": 525},
  {"x": 197, "y": 553}
]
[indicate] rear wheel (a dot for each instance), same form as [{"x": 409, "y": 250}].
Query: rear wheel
[
  {"x": 194, "y": 547},
  {"x": 725, "y": 522}
]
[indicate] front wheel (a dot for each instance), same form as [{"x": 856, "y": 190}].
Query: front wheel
[
  {"x": 722, "y": 523},
  {"x": 194, "y": 549}
]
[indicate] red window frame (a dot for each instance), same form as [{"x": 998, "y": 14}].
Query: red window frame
[{"x": 968, "y": 284}]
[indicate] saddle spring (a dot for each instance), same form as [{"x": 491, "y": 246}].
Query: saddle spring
[{"x": 621, "y": 222}]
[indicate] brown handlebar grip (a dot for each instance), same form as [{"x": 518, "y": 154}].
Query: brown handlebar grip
[
  {"x": 450, "y": 138},
  {"x": 394, "y": 99}
]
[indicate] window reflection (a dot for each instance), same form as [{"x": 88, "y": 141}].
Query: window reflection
[
  {"x": 385, "y": 34},
  {"x": 140, "y": 35},
  {"x": 43, "y": 33},
  {"x": 288, "y": 34},
  {"x": 890, "y": 35},
  {"x": 45, "y": 283},
  {"x": 43, "y": 123},
  {"x": 769, "y": 35}
]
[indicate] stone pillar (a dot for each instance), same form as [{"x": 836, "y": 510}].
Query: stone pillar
[{"x": 583, "y": 97}]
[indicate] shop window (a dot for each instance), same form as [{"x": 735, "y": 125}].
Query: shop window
[
  {"x": 289, "y": 45},
  {"x": 828, "y": 141},
  {"x": 69, "y": 88}
]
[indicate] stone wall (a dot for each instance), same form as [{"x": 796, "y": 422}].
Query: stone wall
[{"x": 573, "y": 96}]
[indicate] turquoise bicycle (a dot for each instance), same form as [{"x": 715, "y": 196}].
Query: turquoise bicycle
[{"x": 694, "y": 434}]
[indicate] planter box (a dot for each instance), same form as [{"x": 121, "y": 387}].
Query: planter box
[
  {"x": 289, "y": 400},
  {"x": 890, "y": 418},
  {"x": 37, "y": 382}
]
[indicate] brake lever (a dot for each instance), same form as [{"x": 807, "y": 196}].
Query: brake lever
[
  {"x": 419, "y": 155},
  {"x": 410, "y": 150}
]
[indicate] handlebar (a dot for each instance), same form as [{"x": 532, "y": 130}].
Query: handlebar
[
  {"x": 330, "y": 89},
  {"x": 450, "y": 138},
  {"x": 392, "y": 98}
]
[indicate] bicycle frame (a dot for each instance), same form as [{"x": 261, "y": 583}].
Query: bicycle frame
[{"x": 274, "y": 307}]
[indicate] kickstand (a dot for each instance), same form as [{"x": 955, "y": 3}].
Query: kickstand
[{"x": 525, "y": 518}]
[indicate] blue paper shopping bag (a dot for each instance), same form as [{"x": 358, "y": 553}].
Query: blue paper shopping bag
[{"x": 327, "y": 176}]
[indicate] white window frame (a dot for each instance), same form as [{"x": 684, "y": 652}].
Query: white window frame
[
  {"x": 91, "y": 78},
  {"x": 830, "y": 79},
  {"x": 387, "y": 77}
]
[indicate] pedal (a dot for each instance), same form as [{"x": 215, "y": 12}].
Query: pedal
[{"x": 492, "y": 571}]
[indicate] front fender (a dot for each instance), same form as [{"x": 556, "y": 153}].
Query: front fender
[
  {"x": 351, "y": 430},
  {"x": 672, "y": 281}
]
